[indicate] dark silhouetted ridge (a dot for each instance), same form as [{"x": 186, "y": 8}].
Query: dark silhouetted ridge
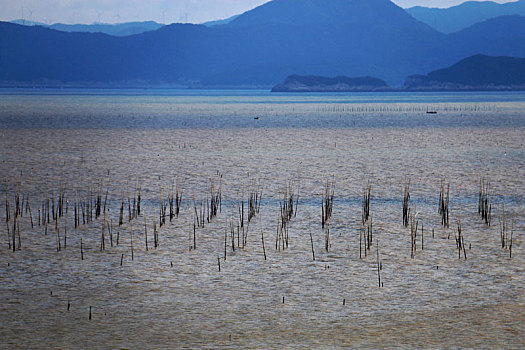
[{"x": 476, "y": 72}]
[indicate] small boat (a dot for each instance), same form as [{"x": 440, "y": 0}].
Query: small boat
[
  {"x": 429, "y": 111},
  {"x": 256, "y": 118}
]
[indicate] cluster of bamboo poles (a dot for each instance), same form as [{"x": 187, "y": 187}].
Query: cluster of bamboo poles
[
  {"x": 327, "y": 205},
  {"x": 92, "y": 205},
  {"x": 460, "y": 241},
  {"x": 17, "y": 213},
  {"x": 484, "y": 202},
  {"x": 239, "y": 227},
  {"x": 414, "y": 223},
  {"x": 406, "y": 204},
  {"x": 205, "y": 210},
  {"x": 444, "y": 200},
  {"x": 133, "y": 205},
  {"x": 506, "y": 237},
  {"x": 254, "y": 199},
  {"x": 89, "y": 206},
  {"x": 366, "y": 232},
  {"x": 288, "y": 210}
]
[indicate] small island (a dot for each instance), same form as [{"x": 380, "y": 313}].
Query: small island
[
  {"x": 298, "y": 83},
  {"x": 475, "y": 73}
]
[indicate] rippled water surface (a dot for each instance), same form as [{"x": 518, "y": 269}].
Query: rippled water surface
[{"x": 78, "y": 142}]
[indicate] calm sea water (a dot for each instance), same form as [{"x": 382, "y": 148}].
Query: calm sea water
[
  {"x": 115, "y": 141},
  {"x": 175, "y": 109}
]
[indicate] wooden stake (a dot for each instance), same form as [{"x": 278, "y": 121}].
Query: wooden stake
[
  {"x": 312, "y": 244},
  {"x": 264, "y": 249}
]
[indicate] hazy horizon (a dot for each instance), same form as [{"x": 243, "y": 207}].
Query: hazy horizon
[{"x": 161, "y": 11}]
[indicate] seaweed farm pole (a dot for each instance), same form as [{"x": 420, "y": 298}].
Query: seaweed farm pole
[
  {"x": 8, "y": 234},
  {"x": 460, "y": 242},
  {"x": 28, "y": 207},
  {"x": 510, "y": 246},
  {"x": 13, "y": 234},
  {"x": 178, "y": 200},
  {"x": 65, "y": 232},
  {"x": 129, "y": 208},
  {"x": 378, "y": 264},
  {"x": 111, "y": 232},
  {"x": 322, "y": 214},
  {"x": 422, "y": 236},
  {"x": 297, "y": 200},
  {"x": 232, "y": 235},
  {"x": 485, "y": 202},
  {"x": 58, "y": 239},
  {"x": 264, "y": 249},
  {"x": 170, "y": 202},
  {"x": 360, "y": 245},
  {"x": 277, "y": 236},
  {"x": 312, "y": 244},
  {"x": 121, "y": 213},
  {"x": 327, "y": 203},
  {"x": 18, "y": 233},
  {"x": 139, "y": 199},
  {"x": 155, "y": 233},
  {"x": 106, "y": 200},
  {"x": 103, "y": 238},
  {"x": 366, "y": 202},
  {"x": 406, "y": 208},
  {"x": 447, "y": 203},
  {"x": 194, "y": 237},
  {"x": 327, "y": 238},
  {"x": 444, "y": 205},
  {"x": 146, "y": 232},
  {"x": 413, "y": 235},
  {"x": 503, "y": 227},
  {"x": 6, "y": 204},
  {"x": 75, "y": 212},
  {"x": 131, "y": 234}
]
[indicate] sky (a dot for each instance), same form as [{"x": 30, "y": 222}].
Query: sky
[{"x": 162, "y": 11}]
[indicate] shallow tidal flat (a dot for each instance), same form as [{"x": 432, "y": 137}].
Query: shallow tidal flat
[{"x": 96, "y": 285}]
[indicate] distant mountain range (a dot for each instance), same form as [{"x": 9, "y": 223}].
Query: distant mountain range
[
  {"x": 256, "y": 49},
  {"x": 459, "y": 17},
  {"x": 445, "y": 20},
  {"x": 120, "y": 29}
]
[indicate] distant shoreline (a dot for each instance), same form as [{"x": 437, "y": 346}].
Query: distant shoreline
[
  {"x": 232, "y": 88},
  {"x": 394, "y": 89},
  {"x": 11, "y": 85}
]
